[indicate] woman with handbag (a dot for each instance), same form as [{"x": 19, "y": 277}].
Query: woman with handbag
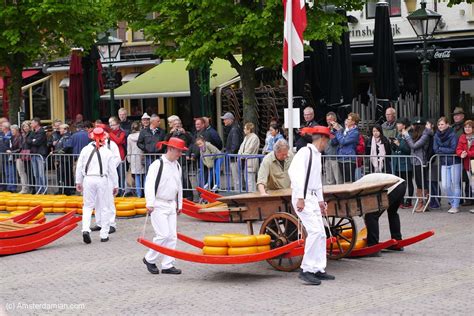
[{"x": 465, "y": 150}]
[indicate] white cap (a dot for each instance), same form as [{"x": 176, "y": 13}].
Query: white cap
[{"x": 145, "y": 116}]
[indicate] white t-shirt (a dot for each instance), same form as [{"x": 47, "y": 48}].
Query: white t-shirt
[{"x": 379, "y": 177}]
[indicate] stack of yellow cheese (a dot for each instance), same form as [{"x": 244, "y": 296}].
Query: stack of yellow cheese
[{"x": 236, "y": 244}]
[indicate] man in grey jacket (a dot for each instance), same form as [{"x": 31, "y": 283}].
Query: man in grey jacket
[{"x": 232, "y": 145}]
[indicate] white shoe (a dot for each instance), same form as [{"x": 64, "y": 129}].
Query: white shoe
[
  {"x": 215, "y": 188},
  {"x": 453, "y": 210},
  {"x": 472, "y": 211}
]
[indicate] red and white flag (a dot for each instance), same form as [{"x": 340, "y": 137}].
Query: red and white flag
[{"x": 297, "y": 22}]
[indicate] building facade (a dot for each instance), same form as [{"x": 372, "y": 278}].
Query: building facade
[{"x": 451, "y": 81}]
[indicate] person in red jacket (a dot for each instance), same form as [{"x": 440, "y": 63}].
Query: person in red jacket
[
  {"x": 465, "y": 150},
  {"x": 117, "y": 135}
]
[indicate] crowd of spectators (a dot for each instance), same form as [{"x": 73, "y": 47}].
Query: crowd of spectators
[{"x": 400, "y": 146}]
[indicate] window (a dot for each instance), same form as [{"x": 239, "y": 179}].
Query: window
[
  {"x": 394, "y": 6},
  {"x": 139, "y": 36}
]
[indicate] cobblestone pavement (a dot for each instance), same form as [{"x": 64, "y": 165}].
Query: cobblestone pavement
[{"x": 434, "y": 277}]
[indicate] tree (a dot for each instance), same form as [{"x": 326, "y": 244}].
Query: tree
[
  {"x": 201, "y": 30},
  {"x": 454, "y": 2},
  {"x": 32, "y": 30}
]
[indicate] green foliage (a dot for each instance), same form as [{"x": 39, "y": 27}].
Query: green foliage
[
  {"x": 200, "y": 30},
  {"x": 454, "y": 2},
  {"x": 41, "y": 29}
]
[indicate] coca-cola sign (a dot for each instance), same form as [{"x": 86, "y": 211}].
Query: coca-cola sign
[{"x": 442, "y": 54}]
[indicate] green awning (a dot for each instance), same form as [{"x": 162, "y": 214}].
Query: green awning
[{"x": 171, "y": 79}]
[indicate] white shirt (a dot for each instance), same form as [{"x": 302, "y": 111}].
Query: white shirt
[
  {"x": 170, "y": 185},
  {"x": 115, "y": 150},
  {"x": 298, "y": 170},
  {"x": 380, "y": 177},
  {"x": 107, "y": 158}
]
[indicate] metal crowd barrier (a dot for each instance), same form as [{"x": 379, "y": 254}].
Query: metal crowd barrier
[
  {"x": 450, "y": 180},
  {"x": 31, "y": 173}
]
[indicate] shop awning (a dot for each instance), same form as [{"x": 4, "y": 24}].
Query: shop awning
[
  {"x": 130, "y": 77},
  {"x": 171, "y": 79},
  {"x": 25, "y": 74}
]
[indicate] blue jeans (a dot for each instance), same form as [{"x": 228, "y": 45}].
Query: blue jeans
[
  {"x": 138, "y": 184},
  {"x": 38, "y": 172},
  {"x": 451, "y": 183},
  {"x": 9, "y": 172}
]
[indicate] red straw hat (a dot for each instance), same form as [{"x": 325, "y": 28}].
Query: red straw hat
[
  {"x": 174, "y": 142},
  {"x": 98, "y": 133},
  {"x": 322, "y": 130}
]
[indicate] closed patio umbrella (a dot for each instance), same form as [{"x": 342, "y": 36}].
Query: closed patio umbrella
[{"x": 385, "y": 63}]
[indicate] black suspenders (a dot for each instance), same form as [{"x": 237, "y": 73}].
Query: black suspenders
[
  {"x": 90, "y": 159},
  {"x": 308, "y": 172}
]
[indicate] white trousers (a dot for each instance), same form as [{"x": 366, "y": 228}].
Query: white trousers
[
  {"x": 314, "y": 259},
  {"x": 163, "y": 220},
  {"x": 94, "y": 191},
  {"x": 109, "y": 204}
]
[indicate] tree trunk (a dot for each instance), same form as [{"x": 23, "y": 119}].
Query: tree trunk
[
  {"x": 14, "y": 91},
  {"x": 249, "y": 83}
]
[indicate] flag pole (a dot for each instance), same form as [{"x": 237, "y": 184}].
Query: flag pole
[{"x": 289, "y": 28}]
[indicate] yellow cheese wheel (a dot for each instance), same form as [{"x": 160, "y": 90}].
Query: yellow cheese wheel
[
  {"x": 12, "y": 202},
  {"x": 139, "y": 204},
  {"x": 361, "y": 243},
  {"x": 10, "y": 208},
  {"x": 70, "y": 209},
  {"x": 141, "y": 211},
  {"x": 71, "y": 204},
  {"x": 34, "y": 203},
  {"x": 243, "y": 241},
  {"x": 216, "y": 241},
  {"x": 59, "y": 204},
  {"x": 233, "y": 251},
  {"x": 263, "y": 248},
  {"x": 23, "y": 208},
  {"x": 5, "y": 216},
  {"x": 23, "y": 202},
  {"x": 59, "y": 210},
  {"x": 47, "y": 209},
  {"x": 3, "y": 208},
  {"x": 346, "y": 232},
  {"x": 47, "y": 203},
  {"x": 79, "y": 211},
  {"x": 3, "y": 201},
  {"x": 126, "y": 213},
  {"x": 216, "y": 251},
  {"x": 233, "y": 235},
  {"x": 263, "y": 240},
  {"x": 362, "y": 234},
  {"x": 125, "y": 206},
  {"x": 39, "y": 215}
]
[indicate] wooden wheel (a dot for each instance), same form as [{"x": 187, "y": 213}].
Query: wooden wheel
[
  {"x": 283, "y": 229},
  {"x": 341, "y": 228}
]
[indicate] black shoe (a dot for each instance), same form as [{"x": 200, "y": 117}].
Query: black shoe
[
  {"x": 309, "y": 278},
  {"x": 324, "y": 276},
  {"x": 151, "y": 267},
  {"x": 395, "y": 248},
  {"x": 96, "y": 228},
  {"x": 104, "y": 239},
  {"x": 171, "y": 270},
  {"x": 86, "y": 237},
  {"x": 112, "y": 230}
]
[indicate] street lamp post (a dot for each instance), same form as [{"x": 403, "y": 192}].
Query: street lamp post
[
  {"x": 109, "y": 48},
  {"x": 424, "y": 23}
]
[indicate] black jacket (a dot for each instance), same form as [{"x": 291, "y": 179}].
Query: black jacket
[
  {"x": 302, "y": 141},
  {"x": 147, "y": 141},
  {"x": 211, "y": 135},
  {"x": 38, "y": 142},
  {"x": 234, "y": 139}
]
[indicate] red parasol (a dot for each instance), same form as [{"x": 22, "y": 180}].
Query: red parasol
[{"x": 74, "y": 93}]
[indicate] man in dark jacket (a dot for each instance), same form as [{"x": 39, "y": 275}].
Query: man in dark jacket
[
  {"x": 211, "y": 134},
  {"x": 308, "y": 115},
  {"x": 39, "y": 148},
  {"x": 79, "y": 140},
  {"x": 232, "y": 145},
  {"x": 149, "y": 137},
  {"x": 125, "y": 123},
  {"x": 6, "y": 166}
]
